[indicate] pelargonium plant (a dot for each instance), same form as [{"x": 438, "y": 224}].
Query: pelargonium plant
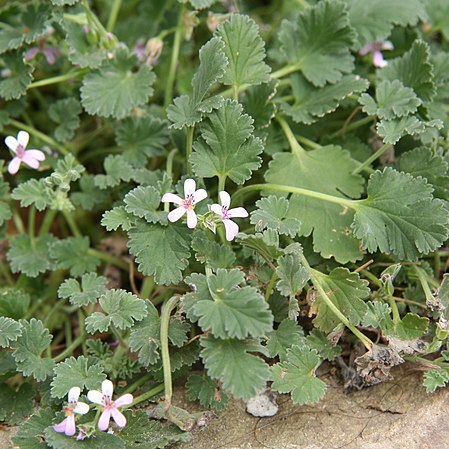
[{"x": 205, "y": 194}]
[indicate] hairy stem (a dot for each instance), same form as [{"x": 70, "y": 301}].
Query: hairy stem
[
  {"x": 372, "y": 158},
  {"x": 113, "y": 15},
  {"x": 58, "y": 79},
  {"x": 189, "y": 146},
  {"x": 69, "y": 350},
  {"x": 149, "y": 394}
]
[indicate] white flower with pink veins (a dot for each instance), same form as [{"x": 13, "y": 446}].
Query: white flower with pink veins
[
  {"x": 110, "y": 407},
  {"x": 186, "y": 205},
  {"x": 68, "y": 426},
  {"x": 226, "y": 214},
  {"x": 18, "y": 146}
]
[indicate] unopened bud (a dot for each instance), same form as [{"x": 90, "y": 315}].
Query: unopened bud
[
  {"x": 191, "y": 21},
  {"x": 214, "y": 20},
  {"x": 154, "y": 49}
]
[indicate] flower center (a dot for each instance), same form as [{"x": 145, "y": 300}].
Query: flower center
[
  {"x": 224, "y": 212},
  {"x": 68, "y": 409},
  {"x": 107, "y": 401},
  {"x": 20, "y": 151},
  {"x": 189, "y": 202}
]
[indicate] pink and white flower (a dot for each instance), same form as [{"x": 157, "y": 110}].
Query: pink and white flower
[
  {"x": 186, "y": 205},
  {"x": 376, "y": 49},
  {"x": 226, "y": 214},
  {"x": 74, "y": 406},
  {"x": 18, "y": 146},
  {"x": 110, "y": 407}
]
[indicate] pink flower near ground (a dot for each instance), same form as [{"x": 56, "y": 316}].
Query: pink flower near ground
[
  {"x": 186, "y": 205},
  {"x": 375, "y": 48},
  {"x": 68, "y": 426},
  {"x": 226, "y": 214},
  {"x": 110, "y": 407},
  {"x": 18, "y": 146}
]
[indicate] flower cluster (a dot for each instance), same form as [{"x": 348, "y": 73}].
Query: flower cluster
[
  {"x": 110, "y": 408},
  {"x": 18, "y": 147},
  {"x": 193, "y": 196}
]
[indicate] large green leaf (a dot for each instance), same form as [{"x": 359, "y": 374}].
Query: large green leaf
[{"x": 19, "y": 76}]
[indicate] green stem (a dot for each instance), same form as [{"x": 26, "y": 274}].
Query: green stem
[
  {"x": 169, "y": 164},
  {"x": 285, "y": 71},
  {"x": 149, "y": 394},
  {"x": 139, "y": 382},
  {"x": 221, "y": 183},
  {"x": 294, "y": 145},
  {"x": 314, "y": 275},
  {"x": 113, "y": 15},
  {"x": 119, "y": 338},
  {"x": 18, "y": 221},
  {"x": 69, "y": 350},
  {"x": 58, "y": 79},
  {"x": 108, "y": 258},
  {"x": 165, "y": 320},
  {"x": 31, "y": 223},
  {"x": 80, "y": 19},
  {"x": 48, "y": 220},
  {"x": 72, "y": 224},
  {"x": 270, "y": 286},
  {"x": 147, "y": 287},
  {"x": 189, "y": 146},
  {"x": 371, "y": 277},
  {"x": 357, "y": 124},
  {"x": 4, "y": 269},
  {"x": 235, "y": 92},
  {"x": 372, "y": 158},
  {"x": 424, "y": 284},
  {"x": 308, "y": 142},
  {"x": 55, "y": 308},
  {"x": 394, "y": 309},
  {"x": 43, "y": 137},
  {"x": 174, "y": 59}
]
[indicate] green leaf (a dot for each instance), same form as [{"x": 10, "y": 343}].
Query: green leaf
[
  {"x": 5, "y": 213},
  {"x": 438, "y": 12},
  {"x": 91, "y": 288},
  {"x": 162, "y": 251},
  {"x": 102, "y": 440},
  {"x": 266, "y": 244},
  {"x": 257, "y": 102},
  {"x": 32, "y": 192},
  {"x": 114, "y": 89},
  {"x": 400, "y": 216},
  {"x": 271, "y": 213},
  {"x": 30, "y": 257},
  {"x": 311, "y": 103},
  {"x": 34, "y": 21},
  {"x": 425, "y": 163},
  {"x": 297, "y": 376},
  {"x": 411, "y": 327},
  {"x": 31, "y": 432},
  {"x": 76, "y": 372},
  {"x": 117, "y": 217},
  {"x": 141, "y": 138},
  {"x": 318, "y": 42},
  {"x": 90, "y": 197},
  {"x": 231, "y": 311},
  {"x": 435, "y": 378},
  {"x": 19, "y": 76},
  {"x": 214, "y": 254},
  {"x": 35, "y": 339},
  {"x": 121, "y": 309},
  {"x": 66, "y": 114},
  {"x": 64, "y": 2},
  {"x": 9, "y": 331},
  {"x": 207, "y": 391},
  {"x": 16, "y": 405},
  {"x": 318, "y": 341},
  {"x": 143, "y": 202},
  {"x": 292, "y": 274},
  {"x": 117, "y": 170},
  {"x": 330, "y": 223},
  {"x": 347, "y": 291},
  {"x": 230, "y": 359},
  {"x": 199, "y": 4},
  {"x": 186, "y": 110},
  {"x": 392, "y": 100},
  {"x": 226, "y": 147},
  {"x": 374, "y": 20},
  {"x": 414, "y": 70},
  {"x": 245, "y": 51},
  {"x": 72, "y": 254},
  {"x": 14, "y": 303},
  {"x": 283, "y": 338}
]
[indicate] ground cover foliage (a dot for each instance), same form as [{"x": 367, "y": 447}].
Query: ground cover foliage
[{"x": 217, "y": 194}]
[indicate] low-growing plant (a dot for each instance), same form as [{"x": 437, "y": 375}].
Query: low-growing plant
[{"x": 217, "y": 194}]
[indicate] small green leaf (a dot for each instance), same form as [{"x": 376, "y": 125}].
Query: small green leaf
[
  {"x": 72, "y": 254},
  {"x": 9, "y": 331},
  {"x": 28, "y": 349},
  {"x": 230, "y": 359},
  {"x": 90, "y": 197},
  {"x": 31, "y": 432},
  {"x": 117, "y": 217},
  {"x": 114, "y": 89},
  {"x": 411, "y": 327},
  {"x": 287, "y": 334},
  {"x": 245, "y": 51},
  {"x": 66, "y": 114},
  {"x": 102, "y": 440},
  {"x": 143, "y": 202},
  {"x": 435, "y": 378},
  {"x": 5, "y": 212},
  {"x": 393, "y": 130},
  {"x": 14, "y": 303},
  {"x": 117, "y": 170},
  {"x": 214, "y": 254},
  {"x": 76, "y": 372},
  {"x": 32, "y": 192},
  {"x": 292, "y": 274},
  {"x": 400, "y": 216},
  {"x": 297, "y": 376},
  {"x": 207, "y": 391},
  {"x": 91, "y": 288},
  {"x": 16, "y": 404},
  {"x": 19, "y": 76},
  {"x": 318, "y": 341}
]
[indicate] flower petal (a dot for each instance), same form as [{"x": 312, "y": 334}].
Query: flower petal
[
  {"x": 189, "y": 187},
  {"x": 103, "y": 422},
  {"x": 23, "y": 138},
  {"x": 191, "y": 219},
  {"x": 199, "y": 195},
  {"x": 81, "y": 408},
  {"x": 232, "y": 229},
  {"x": 387, "y": 45},
  {"x": 36, "y": 154},
  {"x": 366, "y": 49},
  {"x": 176, "y": 214},
  {"x": 171, "y": 198},
  {"x": 216, "y": 208},
  {"x": 30, "y": 161},
  {"x": 225, "y": 198},
  {"x": 74, "y": 394},
  {"x": 107, "y": 388},
  {"x": 378, "y": 59},
  {"x": 11, "y": 143},
  {"x": 126, "y": 399},
  {"x": 238, "y": 212},
  {"x": 70, "y": 428},
  {"x": 14, "y": 165},
  {"x": 118, "y": 417},
  {"x": 61, "y": 426},
  {"x": 96, "y": 397},
  {"x": 31, "y": 53}
]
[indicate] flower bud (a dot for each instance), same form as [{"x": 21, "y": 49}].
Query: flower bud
[{"x": 153, "y": 49}]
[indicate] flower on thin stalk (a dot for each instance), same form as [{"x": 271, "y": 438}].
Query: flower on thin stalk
[
  {"x": 74, "y": 406},
  {"x": 18, "y": 146},
  {"x": 186, "y": 205},
  {"x": 110, "y": 407},
  {"x": 227, "y": 214},
  {"x": 375, "y": 48},
  {"x": 50, "y": 53}
]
